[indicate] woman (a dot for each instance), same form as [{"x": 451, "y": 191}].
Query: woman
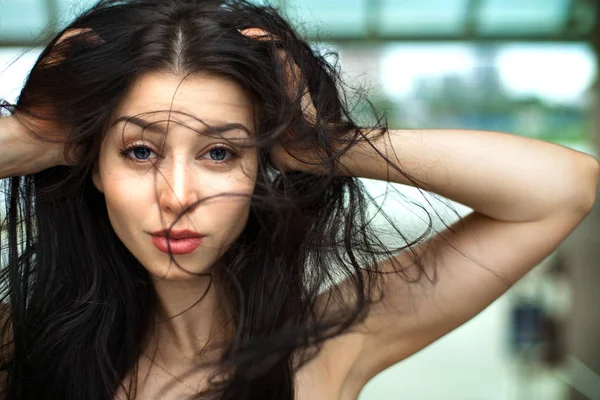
[{"x": 185, "y": 219}]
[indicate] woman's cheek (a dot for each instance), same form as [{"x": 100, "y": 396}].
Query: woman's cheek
[{"x": 126, "y": 199}]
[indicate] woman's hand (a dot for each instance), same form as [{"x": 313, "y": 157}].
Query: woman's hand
[
  {"x": 38, "y": 136},
  {"x": 34, "y": 131},
  {"x": 286, "y": 159},
  {"x": 24, "y": 154}
]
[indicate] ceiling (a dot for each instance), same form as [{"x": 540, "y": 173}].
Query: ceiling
[{"x": 27, "y": 22}]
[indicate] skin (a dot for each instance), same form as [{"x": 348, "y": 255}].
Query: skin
[{"x": 142, "y": 199}]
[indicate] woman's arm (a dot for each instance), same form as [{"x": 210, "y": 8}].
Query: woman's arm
[
  {"x": 528, "y": 196},
  {"x": 504, "y": 176},
  {"x": 23, "y": 154}
]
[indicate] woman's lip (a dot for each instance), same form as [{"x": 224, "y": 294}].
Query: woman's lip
[
  {"x": 178, "y": 246},
  {"x": 178, "y": 233}
]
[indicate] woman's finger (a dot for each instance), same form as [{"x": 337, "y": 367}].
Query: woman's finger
[
  {"x": 57, "y": 54},
  {"x": 258, "y": 34},
  {"x": 293, "y": 73}
]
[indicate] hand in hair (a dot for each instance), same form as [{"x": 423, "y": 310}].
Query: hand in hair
[
  {"x": 286, "y": 159},
  {"x": 34, "y": 129}
]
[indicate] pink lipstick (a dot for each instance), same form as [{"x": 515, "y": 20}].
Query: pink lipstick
[{"x": 180, "y": 242}]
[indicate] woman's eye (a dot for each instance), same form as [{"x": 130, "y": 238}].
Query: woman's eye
[
  {"x": 139, "y": 153},
  {"x": 219, "y": 154}
]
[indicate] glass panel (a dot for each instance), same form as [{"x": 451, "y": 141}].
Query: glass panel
[
  {"x": 519, "y": 16},
  {"x": 537, "y": 90},
  {"x": 422, "y": 17},
  {"x": 584, "y": 17},
  {"x": 323, "y": 17},
  {"x": 22, "y": 19}
]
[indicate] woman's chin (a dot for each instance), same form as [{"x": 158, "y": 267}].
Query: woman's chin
[{"x": 174, "y": 273}]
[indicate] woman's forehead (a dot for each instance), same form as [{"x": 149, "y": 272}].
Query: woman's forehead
[{"x": 200, "y": 96}]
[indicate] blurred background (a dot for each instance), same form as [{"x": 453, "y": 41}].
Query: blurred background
[{"x": 528, "y": 67}]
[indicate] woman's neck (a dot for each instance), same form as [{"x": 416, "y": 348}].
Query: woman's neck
[{"x": 191, "y": 320}]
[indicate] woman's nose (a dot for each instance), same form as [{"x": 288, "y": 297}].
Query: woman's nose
[{"x": 177, "y": 185}]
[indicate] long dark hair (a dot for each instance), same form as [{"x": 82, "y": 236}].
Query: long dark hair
[{"x": 81, "y": 304}]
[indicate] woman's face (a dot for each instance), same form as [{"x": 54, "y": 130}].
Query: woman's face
[{"x": 149, "y": 178}]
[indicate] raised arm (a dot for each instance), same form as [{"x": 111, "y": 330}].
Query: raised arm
[
  {"x": 21, "y": 153},
  {"x": 504, "y": 176},
  {"x": 528, "y": 196},
  {"x": 22, "y": 148}
]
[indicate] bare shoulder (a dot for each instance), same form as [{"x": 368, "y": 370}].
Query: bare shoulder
[
  {"x": 333, "y": 373},
  {"x": 329, "y": 375}
]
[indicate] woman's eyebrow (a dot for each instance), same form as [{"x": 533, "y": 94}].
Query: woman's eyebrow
[{"x": 156, "y": 126}]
